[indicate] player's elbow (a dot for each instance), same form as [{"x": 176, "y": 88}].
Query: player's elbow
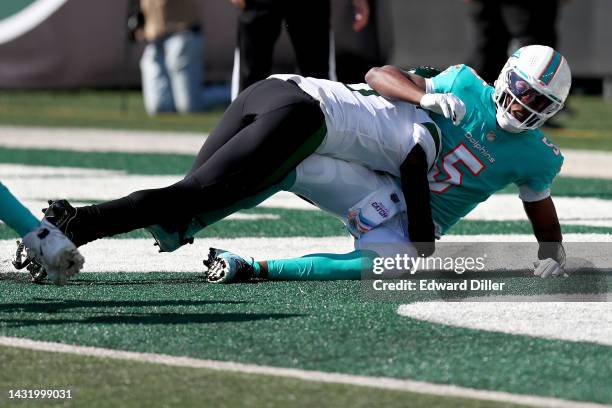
[
  {"x": 375, "y": 73},
  {"x": 372, "y": 75}
]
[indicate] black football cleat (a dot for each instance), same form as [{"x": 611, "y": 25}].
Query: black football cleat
[{"x": 60, "y": 213}]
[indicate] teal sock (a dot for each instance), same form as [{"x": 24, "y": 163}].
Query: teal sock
[
  {"x": 321, "y": 266},
  {"x": 14, "y": 214},
  {"x": 256, "y": 268}
]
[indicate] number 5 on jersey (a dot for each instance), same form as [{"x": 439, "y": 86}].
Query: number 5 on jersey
[{"x": 454, "y": 176}]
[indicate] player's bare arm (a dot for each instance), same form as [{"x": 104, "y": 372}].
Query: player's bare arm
[
  {"x": 543, "y": 217},
  {"x": 391, "y": 82}
]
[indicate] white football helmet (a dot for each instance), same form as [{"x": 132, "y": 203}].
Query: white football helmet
[{"x": 538, "y": 78}]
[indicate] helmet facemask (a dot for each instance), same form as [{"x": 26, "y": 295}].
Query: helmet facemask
[{"x": 537, "y": 106}]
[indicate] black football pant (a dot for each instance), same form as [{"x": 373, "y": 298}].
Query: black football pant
[
  {"x": 259, "y": 26},
  {"x": 498, "y": 22},
  {"x": 264, "y": 134}
]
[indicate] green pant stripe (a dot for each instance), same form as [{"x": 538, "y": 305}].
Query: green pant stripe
[
  {"x": 433, "y": 130},
  {"x": 308, "y": 148}
]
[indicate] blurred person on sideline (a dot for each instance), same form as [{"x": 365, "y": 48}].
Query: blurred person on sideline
[
  {"x": 172, "y": 64},
  {"x": 309, "y": 28},
  {"x": 503, "y": 26},
  {"x": 358, "y": 51}
]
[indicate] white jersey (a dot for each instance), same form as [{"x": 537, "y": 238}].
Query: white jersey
[
  {"x": 364, "y": 127},
  {"x": 336, "y": 186}
]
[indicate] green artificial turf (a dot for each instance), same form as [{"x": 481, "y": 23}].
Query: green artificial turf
[
  {"x": 97, "y": 382},
  {"x": 325, "y": 326}
]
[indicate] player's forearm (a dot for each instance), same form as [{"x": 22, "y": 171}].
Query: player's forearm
[
  {"x": 546, "y": 227},
  {"x": 416, "y": 193},
  {"x": 544, "y": 220},
  {"x": 391, "y": 82}
]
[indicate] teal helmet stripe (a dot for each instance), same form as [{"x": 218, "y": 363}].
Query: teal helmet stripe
[{"x": 551, "y": 68}]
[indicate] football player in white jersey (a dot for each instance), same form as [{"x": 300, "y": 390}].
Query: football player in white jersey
[{"x": 262, "y": 137}]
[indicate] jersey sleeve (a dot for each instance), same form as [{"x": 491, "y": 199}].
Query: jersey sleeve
[
  {"x": 529, "y": 195},
  {"x": 443, "y": 82},
  {"x": 535, "y": 186}
]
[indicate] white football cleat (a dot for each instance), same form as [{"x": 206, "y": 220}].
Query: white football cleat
[{"x": 51, "y": 248}]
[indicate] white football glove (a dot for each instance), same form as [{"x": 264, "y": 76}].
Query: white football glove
[
  {"x": 548, "y": 267},
  {"x": 446, "y": 104}
]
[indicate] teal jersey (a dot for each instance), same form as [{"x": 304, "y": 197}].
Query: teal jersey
[{"x": 478, "y": 158}]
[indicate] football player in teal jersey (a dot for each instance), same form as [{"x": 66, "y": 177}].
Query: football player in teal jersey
[
  {"x": 46, "y": 245},
  {"x": 496, "y": 142}
]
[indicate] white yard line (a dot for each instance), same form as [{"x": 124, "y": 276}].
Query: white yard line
[
  {"x": 578, "y": 210},
  {"x": 419, "y": 387},
  {"x": 36, "y": 183},
  {"x": 35, "y": 206},
  {"x": 578, "y": 163},
  {"x": 139, "y": 254},
  {"x": 587, "y": 163},
  {"x": 39, "y": 183},
  {"x": 524, "y": 238},
  {"x": 578, "y": 317}
]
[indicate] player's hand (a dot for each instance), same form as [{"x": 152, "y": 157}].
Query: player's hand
[
  {"x": 447, "y": 104},
  {"x": 548, "y": 267},
  {"x": 239, "y": 3},
  {"x": 362, "y": 14},
  {"x": 551, "y": 262}
]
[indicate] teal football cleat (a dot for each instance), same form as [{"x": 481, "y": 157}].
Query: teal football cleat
[{"x": 226, "y": 267}]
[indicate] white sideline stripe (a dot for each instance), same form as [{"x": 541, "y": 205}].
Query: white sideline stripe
[
  {"x": 577, "y": 163},
  {"x": 304, "y": 375},
  {"x": 101, "y": 140}
]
